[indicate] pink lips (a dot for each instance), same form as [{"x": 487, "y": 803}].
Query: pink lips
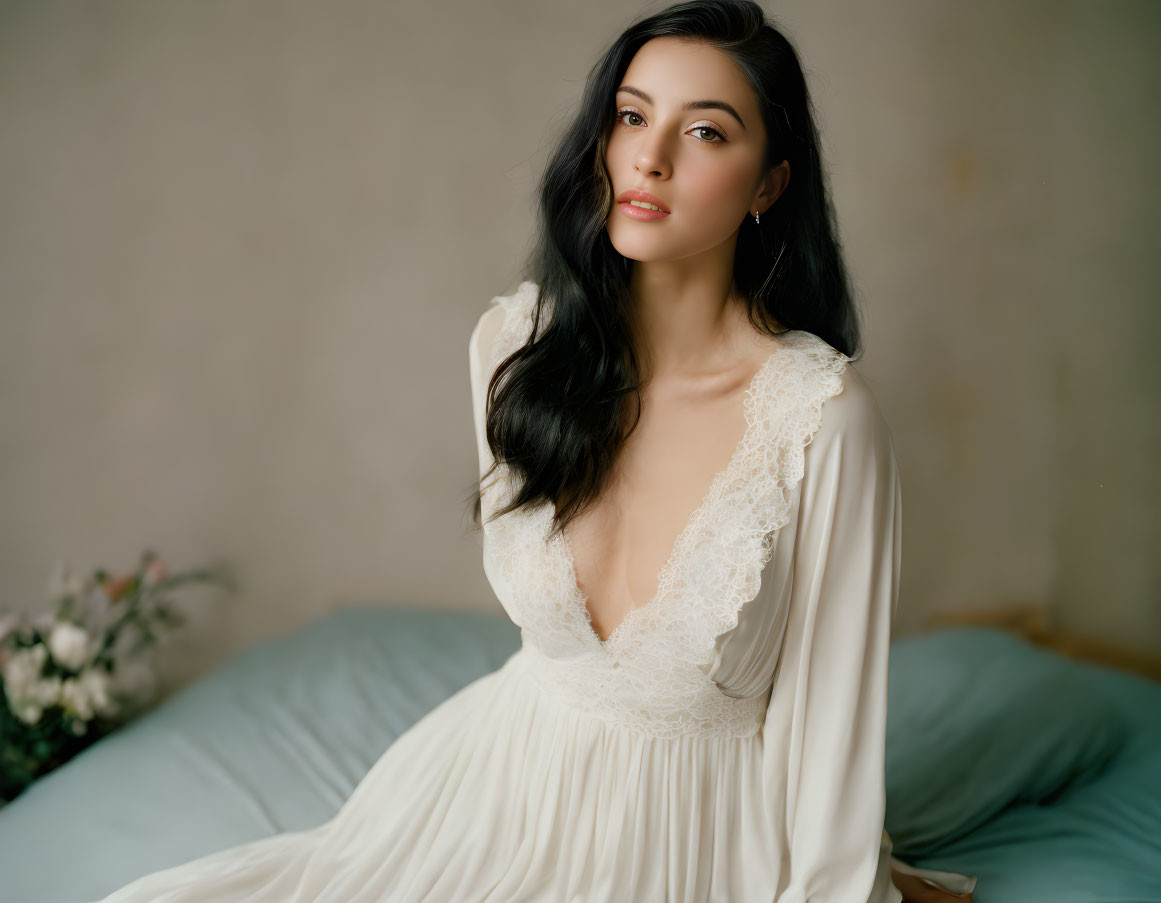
[{"x": 643, "y": 214}]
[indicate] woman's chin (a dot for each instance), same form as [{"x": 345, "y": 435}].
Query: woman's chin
[{"x": 653, "y": 249}]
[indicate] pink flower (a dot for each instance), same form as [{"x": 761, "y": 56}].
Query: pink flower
[
  {"x": 116, "y": 587},
  {"x": 155, "y": 572}
]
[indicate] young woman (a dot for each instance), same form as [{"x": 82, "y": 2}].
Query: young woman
[{"x": 691, "y": 507}]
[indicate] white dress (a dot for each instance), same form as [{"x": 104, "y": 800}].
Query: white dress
[{"x": 724, "y": 745}]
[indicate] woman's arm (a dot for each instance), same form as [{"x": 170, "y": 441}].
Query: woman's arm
[{"x": 825, "y": 729}]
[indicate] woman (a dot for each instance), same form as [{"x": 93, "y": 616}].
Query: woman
[{"x": 691, "y": 508}]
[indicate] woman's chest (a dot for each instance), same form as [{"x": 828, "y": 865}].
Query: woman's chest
[{"x": 622, "y": 543}]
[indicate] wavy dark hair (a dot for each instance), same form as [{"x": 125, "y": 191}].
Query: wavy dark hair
[{"x": 557, "y": 407}]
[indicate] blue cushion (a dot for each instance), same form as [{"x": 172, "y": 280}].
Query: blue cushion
[{"x": 980, "y": 720}]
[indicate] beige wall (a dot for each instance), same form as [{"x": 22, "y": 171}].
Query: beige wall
[{"x": 242, "y": 247}]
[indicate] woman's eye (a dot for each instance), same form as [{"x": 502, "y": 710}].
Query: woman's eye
[
  {"x": 710, "y": 128},
  {"x": 622, "y": 116}
]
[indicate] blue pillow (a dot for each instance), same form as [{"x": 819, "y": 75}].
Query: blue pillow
[{"x": 979, "y": 720}]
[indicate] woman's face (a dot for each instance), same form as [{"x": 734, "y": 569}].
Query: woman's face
[{"x": 702, "y": 165}]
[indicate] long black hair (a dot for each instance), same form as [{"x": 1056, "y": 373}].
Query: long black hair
[{"x": 556, "y": 408}]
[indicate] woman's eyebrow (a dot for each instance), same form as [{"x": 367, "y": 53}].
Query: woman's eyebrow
[{"x": 690, "y": 105}]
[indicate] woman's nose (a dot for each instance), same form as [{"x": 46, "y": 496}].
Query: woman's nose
[{"x": 653, "y": 157}]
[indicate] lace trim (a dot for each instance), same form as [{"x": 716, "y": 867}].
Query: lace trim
[
  {"x": 722, "y": 554},
  {"x": 629, "y": 697}
]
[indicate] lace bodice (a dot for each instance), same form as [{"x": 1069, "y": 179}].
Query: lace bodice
[{"x": 655, "y": 673}]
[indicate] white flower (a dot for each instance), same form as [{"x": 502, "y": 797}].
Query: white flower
[
  {"x": 95, "y": 682},
  {"x": 69, "y": 645},
  {"x": 88, "y": 694},
  {"x": 28, "y": 712},
  {"x": 28, "y": 693},
  {"x": 44, "y": 692},
  {"x": 23, "y": 668},
  {"x": 75, "y": 699},
  {"x": 15, "y": 700}
]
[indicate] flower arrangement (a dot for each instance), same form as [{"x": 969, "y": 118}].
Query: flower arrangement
[{"x": 69, "y": 677}]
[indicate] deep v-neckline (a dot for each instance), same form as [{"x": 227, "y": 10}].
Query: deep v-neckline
[{"x": 579, "y": 601}]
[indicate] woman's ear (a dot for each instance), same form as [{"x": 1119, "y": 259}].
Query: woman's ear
[{"x": 773, "y": 185}]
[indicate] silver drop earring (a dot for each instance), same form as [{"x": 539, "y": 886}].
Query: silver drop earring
[{"x": 756, "y": 219}]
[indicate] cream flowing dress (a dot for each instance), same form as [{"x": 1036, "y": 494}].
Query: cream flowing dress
[{"x": 725, "y": 744}]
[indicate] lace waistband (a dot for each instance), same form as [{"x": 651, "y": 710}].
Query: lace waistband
[{"x": 625, "y": 697}]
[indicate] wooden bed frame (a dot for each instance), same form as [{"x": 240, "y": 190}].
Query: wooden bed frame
[{"x": 1031, "y": 621}]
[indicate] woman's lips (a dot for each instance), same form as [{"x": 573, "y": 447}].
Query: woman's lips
[{"x": 642, "y": 214}]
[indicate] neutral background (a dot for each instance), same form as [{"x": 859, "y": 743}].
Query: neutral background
[{"x": 243, "y": 245}]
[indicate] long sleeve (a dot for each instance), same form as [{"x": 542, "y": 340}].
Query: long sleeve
[{"x": 825, "y": 728}]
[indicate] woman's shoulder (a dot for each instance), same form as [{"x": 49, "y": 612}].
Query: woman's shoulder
[
  {"x": 832, "y": 391},
  {"x": 505, "y": 314},
  {"x": 852, "y": 415},
  {"x": 515, "y": 305}
]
